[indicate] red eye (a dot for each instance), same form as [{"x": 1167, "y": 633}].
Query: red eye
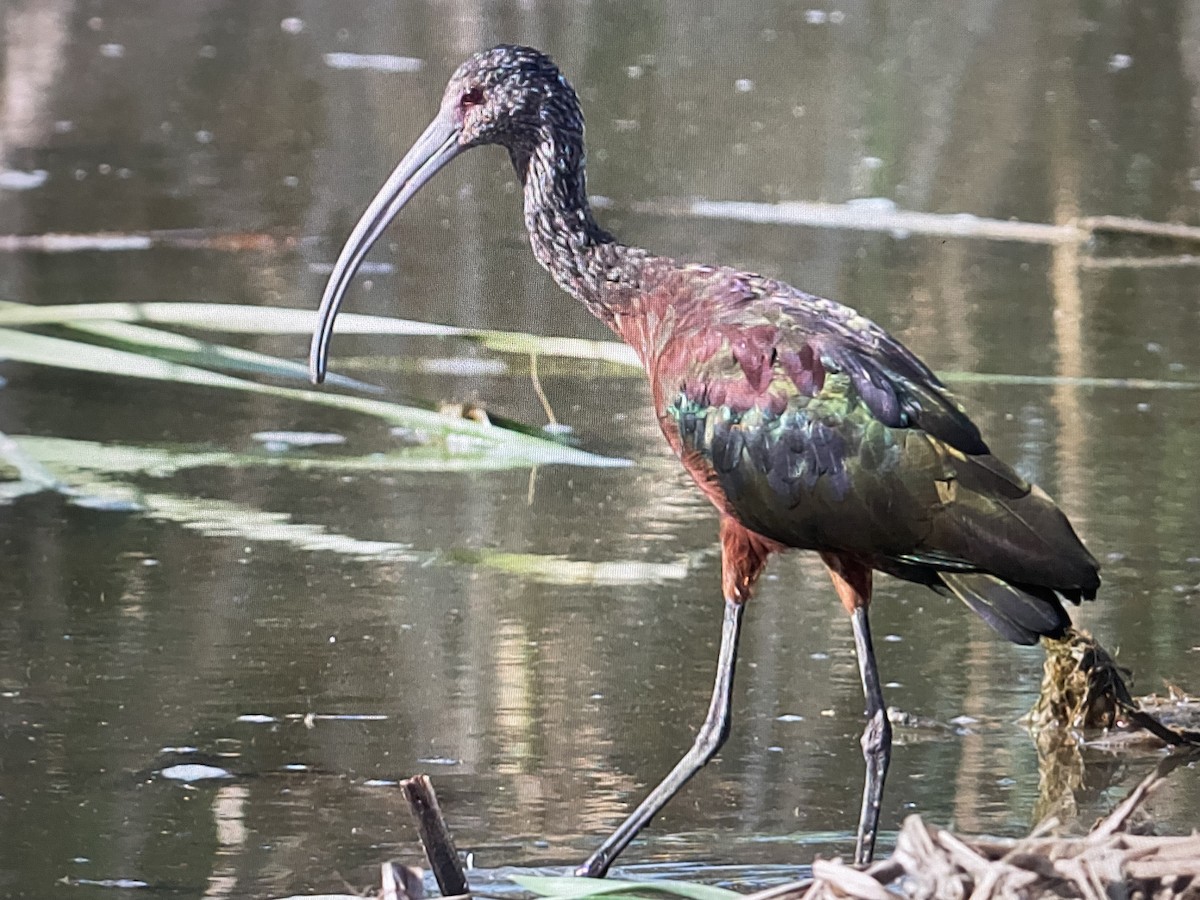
[{"x": 472, "y": 97}]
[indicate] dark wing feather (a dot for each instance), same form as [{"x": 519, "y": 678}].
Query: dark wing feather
[
  {"x": 895, "y": 385},
  {"x": 824, "y": 432},
  {"x": 1021, "y": 613}
]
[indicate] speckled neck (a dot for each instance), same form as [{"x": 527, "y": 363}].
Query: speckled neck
[{"x": 584, "y": 259}]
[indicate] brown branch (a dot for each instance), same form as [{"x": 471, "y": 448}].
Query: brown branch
[{"x": 435, "y": 836}]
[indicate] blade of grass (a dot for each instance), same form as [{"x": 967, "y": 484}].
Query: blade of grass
[
  {"x": 58, "y": 352},
  {"x": 242, "y": 319},
  {"x": 189, "y": 351},
  {"x": 68, "y": 454},
  {"x": 230, "y": 318},
  {"x": 235, "y": 318}
]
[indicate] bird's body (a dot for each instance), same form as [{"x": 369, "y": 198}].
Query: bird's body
[
  {"x": 807, "y": 425},
  {"x": 811, "y": 428}
]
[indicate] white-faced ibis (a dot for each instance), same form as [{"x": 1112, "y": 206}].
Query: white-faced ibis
[{"x": 807, "y": 425}]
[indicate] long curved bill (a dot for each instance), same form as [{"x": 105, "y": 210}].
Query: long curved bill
[{"x": 433, "y": 149}]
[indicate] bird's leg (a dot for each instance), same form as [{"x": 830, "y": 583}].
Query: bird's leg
[
  {"x": 876, "y": 740},
  {"x": 708, "y": 741},
  {"x": 743, "y": 557},
  {"x": 853, "y": 583}
]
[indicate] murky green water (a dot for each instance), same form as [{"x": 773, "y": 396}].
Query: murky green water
[{"x": 542, "y": 643}]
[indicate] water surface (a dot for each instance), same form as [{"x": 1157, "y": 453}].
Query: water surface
[{"x": 542, "y": 642}]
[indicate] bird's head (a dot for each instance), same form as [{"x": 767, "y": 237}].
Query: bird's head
[{"x": 507, "y": 95}]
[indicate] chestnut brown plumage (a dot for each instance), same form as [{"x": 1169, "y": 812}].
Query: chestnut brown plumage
[{"x": 807, "y": 425}]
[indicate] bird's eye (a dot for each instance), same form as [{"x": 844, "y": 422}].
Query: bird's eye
[{"x": 472, "y": 97}]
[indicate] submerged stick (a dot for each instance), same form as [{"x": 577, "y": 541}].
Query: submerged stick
[{"x": 435, "y": 836}]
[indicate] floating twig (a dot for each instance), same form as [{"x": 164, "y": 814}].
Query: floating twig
[
  {"x": 864, "y": 216},
  {"x": 883, "y": 216}
]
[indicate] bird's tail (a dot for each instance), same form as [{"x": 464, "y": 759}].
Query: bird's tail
[{"x": 1021, "y": 613}]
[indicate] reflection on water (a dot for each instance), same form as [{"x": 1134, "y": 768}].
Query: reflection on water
[{"x": 543, "y": 642}]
